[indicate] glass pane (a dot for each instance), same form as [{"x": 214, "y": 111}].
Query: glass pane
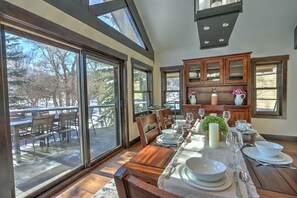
[
  {"x": 172, "y": 99},
  {"x": 93, "y": 2},
  {"x": 42, "y": 89},
  {"x": 267, "y": 100},
  {"x": 140, "y": 80},
  {"x": 122, "y": 21},
  {"x": 195, "y": 72},
  {"x": 172, "y": 81},
  {"x": 236, "y": 70},
  {"x": 206, "y": 4},
  {"x": 102, "y": 112},
  {"x": 141, "y": 102},
  {"x": 213, "y": 71},
  {"x": 266, "y": 76}
]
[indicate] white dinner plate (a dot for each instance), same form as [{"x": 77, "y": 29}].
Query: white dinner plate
[
  {"x": 194, "y": 179},
  {"x": 195, "y": 183},
  {"x": 160, "y": 139},
  {"x": 281, "y": 158}
]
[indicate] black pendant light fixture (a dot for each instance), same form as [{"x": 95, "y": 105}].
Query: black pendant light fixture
[{"x": 215, "y": 21}]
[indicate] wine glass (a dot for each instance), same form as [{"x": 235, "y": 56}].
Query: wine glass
[
  {"x": 189, "y": 118},
  {"x": 226, "y": 116},
  {"x": 201, "y": 112},
  {"x": 235, "y": 142}
]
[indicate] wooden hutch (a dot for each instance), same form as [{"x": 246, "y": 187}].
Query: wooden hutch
[{"x": 224, "y": 73}]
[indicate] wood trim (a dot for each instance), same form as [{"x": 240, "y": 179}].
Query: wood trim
[
  {"x": 106, "y": 7},
  {"x": 280, "y": 137},
  {"x": 19, "y": 17},
  {"x": 6, "y": 162},
  {"x": 140, "y": 26},
  {"x": 221, "y": 56}
]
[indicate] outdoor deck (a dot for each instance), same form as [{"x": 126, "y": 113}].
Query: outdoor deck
[{"x": 42, "y": 167}]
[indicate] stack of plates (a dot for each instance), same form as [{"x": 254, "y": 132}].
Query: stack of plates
[
  {"x": 281, "y": 158},
  {"x": 162, "y": 140},
  {"x": 219, "y": 185}
]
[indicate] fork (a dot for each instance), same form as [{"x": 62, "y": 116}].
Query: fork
[
  {"x": 275, "y": 165},
  {"x": 172, "y": 168}
]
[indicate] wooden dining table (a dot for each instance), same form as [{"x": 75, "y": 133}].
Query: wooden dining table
[{"x": 151, "y": 161}]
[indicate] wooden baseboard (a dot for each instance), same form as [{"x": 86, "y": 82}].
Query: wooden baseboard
[
  {"x": 280, "y": 137},
  {"x": 134, "y": 141}
]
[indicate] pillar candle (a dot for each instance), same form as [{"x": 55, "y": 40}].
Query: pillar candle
[{"x": 213, "y": 135}]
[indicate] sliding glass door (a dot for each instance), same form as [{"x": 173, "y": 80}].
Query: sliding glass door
[
  {"x": 103, "y": 111},
  {"x": 50, "y": 136},
  {"x": 42, "y": 88}
]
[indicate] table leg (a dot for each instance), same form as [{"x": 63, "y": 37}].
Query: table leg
[{"x": 17, "y": 148}]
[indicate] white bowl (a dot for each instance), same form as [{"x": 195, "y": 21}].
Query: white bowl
[
  {"x": 206, "y": 169},
  {"x": 168, "y": 133},
  {"x": 270, "y": 149}
]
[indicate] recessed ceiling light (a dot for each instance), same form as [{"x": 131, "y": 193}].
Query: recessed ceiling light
[
  {"x": 221, "y": 40},
  {"x": 225, "y": 24},
  {"x": 206, "y": 27},
  {"x": 206, "y": 42}
]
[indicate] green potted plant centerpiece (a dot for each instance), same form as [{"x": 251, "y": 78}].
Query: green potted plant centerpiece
[{"x": 223, "y": 128}]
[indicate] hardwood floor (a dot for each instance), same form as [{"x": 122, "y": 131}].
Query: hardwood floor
[
  {"x": 87, "y": 186},
  {"x": 101, "y": 175}
]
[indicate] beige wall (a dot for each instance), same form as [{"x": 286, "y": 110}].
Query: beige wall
[
  {"x": 279, "y": 43},
  {"x": 55, "y": 15}
]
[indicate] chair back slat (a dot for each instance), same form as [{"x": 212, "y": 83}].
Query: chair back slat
[
  {"x": 66, "y": 120},
  {"x": 148, "y": 128},
  {"x": 42, "y": 124},
  {"x": 166, "y": 118}
]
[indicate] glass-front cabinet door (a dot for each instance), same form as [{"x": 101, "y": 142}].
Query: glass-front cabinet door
[
  {"x": 193, "y": 73},
  {"x": 213, "y": 71},
  {"x": 236, "y": 70}
]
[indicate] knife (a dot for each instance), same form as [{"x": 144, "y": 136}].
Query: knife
[{"x": 238, "y": 193}]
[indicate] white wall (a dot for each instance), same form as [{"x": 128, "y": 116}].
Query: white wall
[
  {"x": 275, "y": 43},
  {"x": 55, "y": 15}
]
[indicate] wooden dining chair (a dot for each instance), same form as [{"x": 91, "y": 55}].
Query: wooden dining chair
[
  {"x": 42, "y": 130},
  {"x": 66, "y": 125},
  {"x": 129, "y": 186},
  {"x": 166, "y": 118},
  {"x": 148, "y": 127}
]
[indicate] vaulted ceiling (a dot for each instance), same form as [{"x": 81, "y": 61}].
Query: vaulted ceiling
[{"x": 170, "y": 23}]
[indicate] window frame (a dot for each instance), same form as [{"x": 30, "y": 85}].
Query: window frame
[
  {"x": 172, "y": 69},
  {"x": 136, "y": 64},
  {"x": 281, "y": 86}
]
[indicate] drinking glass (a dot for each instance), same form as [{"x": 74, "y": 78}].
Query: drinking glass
[
  {"x": 201, "y": 112},
  {"x": 235, "y": 142},
  {"x": 189, "y": 118},
  {"x": 226, "y": 116}
]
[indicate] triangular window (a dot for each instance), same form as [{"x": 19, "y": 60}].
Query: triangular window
[{"x": 122, "y": 21}]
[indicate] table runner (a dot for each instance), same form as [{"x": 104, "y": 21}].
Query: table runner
[{"x": 197, "y": 146}]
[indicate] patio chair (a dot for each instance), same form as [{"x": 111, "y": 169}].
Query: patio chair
[
  {"x": 42, "y": 129},
  {"x": 91, "y": 118},
  {"x": 166, "y": 118},
  {"x": 148, "y": 127},
  {"x": 67, "y": 123}
]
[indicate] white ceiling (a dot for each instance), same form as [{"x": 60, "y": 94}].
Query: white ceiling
[{"x": 170, "y": 23}]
